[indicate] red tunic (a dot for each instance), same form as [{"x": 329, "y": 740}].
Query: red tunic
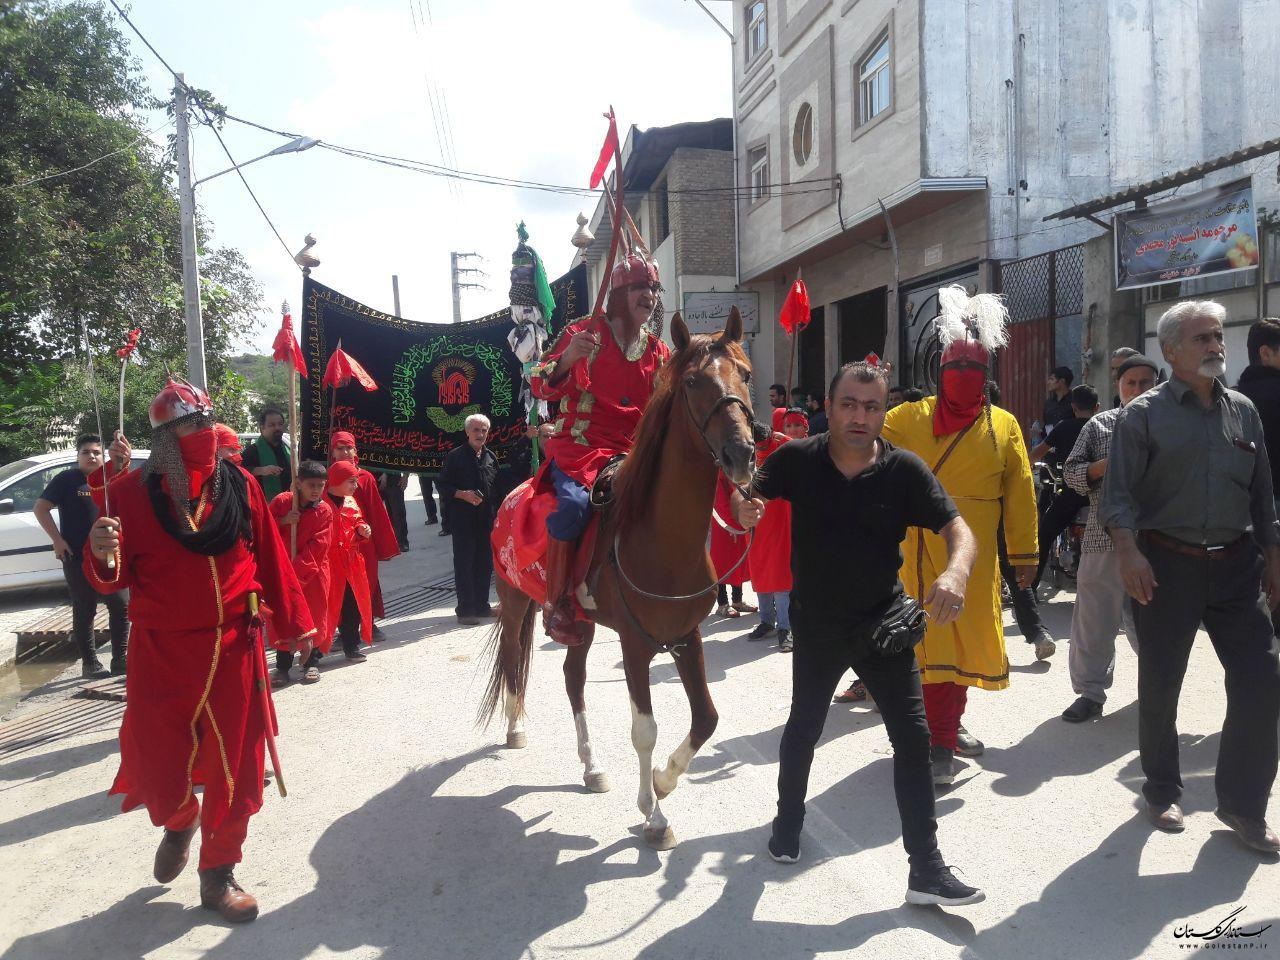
[
  {"x": 311, "y": 562},
  {"x": 771, "y": 551},
  {"x": 383, "y": 545},
  {"x": 601, "y": 400},
  {"x": 728, "y": 547},
  {"x": 347, "y": 566},
  {"x": 191, "y": 669}
]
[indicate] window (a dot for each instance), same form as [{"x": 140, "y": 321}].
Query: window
[
  {"x": 875, "y": 86},
  {"x": 661, "y": 215},
  {"x": 758, "y": 164},
  {"x": 802, "y": 135},
  {"x": 26, "y": 491},
  {"x": 757, "y": 28}
]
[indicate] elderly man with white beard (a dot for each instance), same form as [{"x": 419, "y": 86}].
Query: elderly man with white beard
[{"x": 1187, "y": 501}]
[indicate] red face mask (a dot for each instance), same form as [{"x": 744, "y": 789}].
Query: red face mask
[
  {"x": 199, "y": 456},
  {"x": 962, "y": 390}
]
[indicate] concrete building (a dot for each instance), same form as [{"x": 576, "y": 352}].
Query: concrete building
[
  {"x": 964, "y": 125},
  {"x": 678, "y": 190}
]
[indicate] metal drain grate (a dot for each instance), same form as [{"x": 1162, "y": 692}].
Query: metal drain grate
[
  {"x": 67, "y": 718},
  {"x": 419, "y": 599}
]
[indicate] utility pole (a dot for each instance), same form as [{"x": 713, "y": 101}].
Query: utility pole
[
  {"x": 456, "y": 272},
  {"x": 190, "y": 264},
  {"x": 395, "y": 292}
]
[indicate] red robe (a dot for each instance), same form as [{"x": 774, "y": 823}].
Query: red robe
[
  {"x": 771, "y": 550},
  {"x": 601, "y": 400},
  {"x": 383, "y": 545},
  {"x": 191, "y": 669},
  {"x": 311, "y": 562},
  {"x": 347, "y": 566},
  {"x": 727, "y": 547}
]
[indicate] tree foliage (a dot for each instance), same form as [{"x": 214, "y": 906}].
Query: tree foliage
[{"x": 89, "y": 254}]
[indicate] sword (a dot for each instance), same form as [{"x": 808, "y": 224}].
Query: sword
[
  {"x": 258, "y": 650},
  {"x": 97, "y": 413}
]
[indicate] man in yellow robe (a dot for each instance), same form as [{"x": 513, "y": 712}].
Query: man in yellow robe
[{"x": 978, "y": 455}]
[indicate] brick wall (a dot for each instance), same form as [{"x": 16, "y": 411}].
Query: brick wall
[{"x": 702, "y": 223}]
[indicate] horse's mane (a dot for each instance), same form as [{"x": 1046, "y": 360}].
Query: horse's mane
[{"x": 639, "y": 472}]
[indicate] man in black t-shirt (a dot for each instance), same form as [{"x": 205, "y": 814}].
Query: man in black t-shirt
[
  {"x": 852, "y": 497},
  {"x": 68, "y": 493}
]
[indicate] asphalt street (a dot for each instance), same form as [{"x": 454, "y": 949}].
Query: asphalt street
[{"x": 409, "y": 832}]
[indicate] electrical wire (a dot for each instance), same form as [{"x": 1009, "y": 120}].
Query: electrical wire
[{"x": 86, "y": 166}]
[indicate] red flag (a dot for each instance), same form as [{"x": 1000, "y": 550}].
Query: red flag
[
  {"x": 285, "y": 348},
  {"x": 795, "y": 311},
  {"x": 608, "y": 151},
  {"x": 130, "y": 344},
  {"x": 343, "y": 368}
]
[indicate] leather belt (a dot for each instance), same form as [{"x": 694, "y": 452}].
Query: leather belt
[{"x": 1213, "y": 552}]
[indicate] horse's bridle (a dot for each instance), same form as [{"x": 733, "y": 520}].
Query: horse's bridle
[{"x": 725, "y": 401}]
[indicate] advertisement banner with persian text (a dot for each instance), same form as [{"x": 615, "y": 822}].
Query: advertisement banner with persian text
[
  {"x": 430, "y": 377},
  {"x": 1214, "y": 231}
]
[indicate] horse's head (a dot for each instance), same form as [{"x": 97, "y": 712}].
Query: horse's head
[{"x": 714, "y": 373}]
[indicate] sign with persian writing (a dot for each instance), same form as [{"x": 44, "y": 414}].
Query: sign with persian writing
[
  {"x": 430, "y": 376},
  {"x": 1214, "y": 231},
  {"x": 707, "y": 312}
]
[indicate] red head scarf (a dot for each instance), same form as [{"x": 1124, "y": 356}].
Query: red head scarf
[
  {"x": 341, "y": 471},
  {"x": 796, "y": 418},
  {"x": 228, "y": 440},
  {"x": 961, "y": 392},
  {"x": 346, "y": 439}
]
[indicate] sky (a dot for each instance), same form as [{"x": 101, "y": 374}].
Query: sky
[{"x": 524, "y": 86}]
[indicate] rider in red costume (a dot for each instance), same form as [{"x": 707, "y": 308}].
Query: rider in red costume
[{"x": 602, "y": 371}]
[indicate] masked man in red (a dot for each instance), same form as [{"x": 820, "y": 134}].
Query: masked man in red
[
  {"x": 191, "y": 538},
  {"x": 602, "y": 371},
  {"x": 383, "y": 545}
]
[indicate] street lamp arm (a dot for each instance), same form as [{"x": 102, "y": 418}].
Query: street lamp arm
[{"x": 294, "y": 146}]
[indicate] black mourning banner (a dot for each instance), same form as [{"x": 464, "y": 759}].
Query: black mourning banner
[{"x": 430, "y": 376}]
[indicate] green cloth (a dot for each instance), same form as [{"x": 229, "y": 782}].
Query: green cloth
[{"x": 271, "y": 486}]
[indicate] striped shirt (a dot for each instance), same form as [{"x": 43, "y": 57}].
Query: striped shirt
[{"x": 1094, "y": 443}]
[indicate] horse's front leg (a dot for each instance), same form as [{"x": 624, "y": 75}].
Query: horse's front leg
[
  {"x": 575, "y": 682},
  {"x": 644, "y": 737},
  {"x": 693, "y": 674}
]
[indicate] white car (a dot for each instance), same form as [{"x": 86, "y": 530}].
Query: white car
[{"x": 26, "y": 555}]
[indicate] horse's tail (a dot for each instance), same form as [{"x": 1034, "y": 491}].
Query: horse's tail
[{"x": 500, "y": 678}]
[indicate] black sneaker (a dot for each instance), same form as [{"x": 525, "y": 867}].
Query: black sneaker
[
  {"x": 93, "y": 669},
  {"x": 939, "y": 886},
  {"x": 783, "y": 851},
  {"x": 784, "y": 641},
  {"x": 761, "y": 631},
  {"x": 1083, "y": 709},
  {"x": 943, "y": 762},
  {"x": 431, "y": 522}
]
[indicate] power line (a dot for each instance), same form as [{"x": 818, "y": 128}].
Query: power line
[{"x": 86, "y": 166}]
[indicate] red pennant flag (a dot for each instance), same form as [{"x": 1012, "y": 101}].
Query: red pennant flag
[
  {"x": 343, "y": 368},
  {"x": 795, "y": 310},
  {"x": 130, "y": 344},
  {"x": 608, "y": 151},
  {"x": 285, "y": 348}
]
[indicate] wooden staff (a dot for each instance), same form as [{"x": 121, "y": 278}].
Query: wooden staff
[
  {"x": 259, "y": 654},
  {"x": 791, "y": 360}
]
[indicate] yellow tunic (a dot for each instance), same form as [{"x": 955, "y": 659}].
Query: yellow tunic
[{"x": 983, "y": 478}]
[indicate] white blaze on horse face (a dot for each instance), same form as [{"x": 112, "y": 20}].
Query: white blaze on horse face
[
  {"x": 677, "y": 765},
  {"x": 644, "y": 736}
]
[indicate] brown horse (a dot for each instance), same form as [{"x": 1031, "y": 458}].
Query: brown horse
[{"x": 652, "y": 579}]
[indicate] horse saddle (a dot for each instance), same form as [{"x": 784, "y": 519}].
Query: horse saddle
[{"x": 602, "y": 489}]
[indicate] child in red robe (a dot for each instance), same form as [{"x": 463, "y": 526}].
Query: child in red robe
[
  {"x": 350, "y": 602},
  {"x": 314, "y": 520},
  {"x": 771, "y": 551}
]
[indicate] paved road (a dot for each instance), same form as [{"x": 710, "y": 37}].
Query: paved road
[{"x": 410, "y": 833}]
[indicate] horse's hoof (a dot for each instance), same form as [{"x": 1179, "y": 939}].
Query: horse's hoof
[
  {"x": 597, "y": 782},
  {"x": 661, "y": 839},
  {"x": 517, "y": 740},
  {"x": 658, "y": 791}
]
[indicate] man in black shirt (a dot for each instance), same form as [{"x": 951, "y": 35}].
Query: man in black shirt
[
  {"x": 68, "y": 492},
  {"x": 468, "y": 479},
  {"x": 1057, "y": 407},
  {"x": 1260, "y": 382},
  {"x": 852, "y": 497},
  {"x": 1057, "y": 512}
]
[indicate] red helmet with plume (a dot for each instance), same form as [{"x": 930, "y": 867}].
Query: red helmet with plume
[{"x": 635, "y": 270}]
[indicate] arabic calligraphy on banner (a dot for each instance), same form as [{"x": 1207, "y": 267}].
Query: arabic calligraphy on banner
[
  {"x": 1214, "y": 231},
  {"x": 430, "y": 376}
]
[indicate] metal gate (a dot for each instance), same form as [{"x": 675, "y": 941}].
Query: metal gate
[
  {"x": 920, "y": 350},
  {"x": 1045, "y": 295}
]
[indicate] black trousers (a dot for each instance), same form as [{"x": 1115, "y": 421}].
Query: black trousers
[
  {"x": 722, "y": 594},
  {"x": 1225, "y": 595},
  {"x": 472, "y": 562},
  {"x": 84, "y": 607},
  {"x": 428, "y": 501},
  {"x": 284, "y": 660},
  {"x": 894, "y": 684},
  {"x": 393, "y": 498},
  {"x": 1056, "y": 517},
  {"x": 1026, "y": 609}
]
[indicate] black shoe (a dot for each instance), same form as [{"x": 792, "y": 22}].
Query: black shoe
[
  {"x": 431, "y": 522},
  {"x": 378, "y": 635},
  {"x": 444, "y": 533},
  {"x": 355, "y": 656},
  {"x": 784, "y": 641},
  {"x": 119, "y": 667},
  {"x": 943, "y": 762},
  {"x": 1083, "y": 709},
  {"x": 761, "y": 631},
  {"x": 92, "y": 669},
  {"x": 939, "y": 886},
  {"x": 783, "y": 851},
  {"x": 404, "y": 547}
]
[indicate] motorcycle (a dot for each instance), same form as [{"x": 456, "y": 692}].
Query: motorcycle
[{"x": 1064, "y": 556}]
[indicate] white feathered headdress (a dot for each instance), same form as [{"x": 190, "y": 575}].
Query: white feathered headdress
[{"x": 982, "y": 317}]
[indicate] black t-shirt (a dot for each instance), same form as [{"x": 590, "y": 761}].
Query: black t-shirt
[
  {"x": 1056, "y": 410},
  {"x": 1062, "y": 439},
  {"x": 846, "y": 534},
  {"x": 69, "y": 492}
]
